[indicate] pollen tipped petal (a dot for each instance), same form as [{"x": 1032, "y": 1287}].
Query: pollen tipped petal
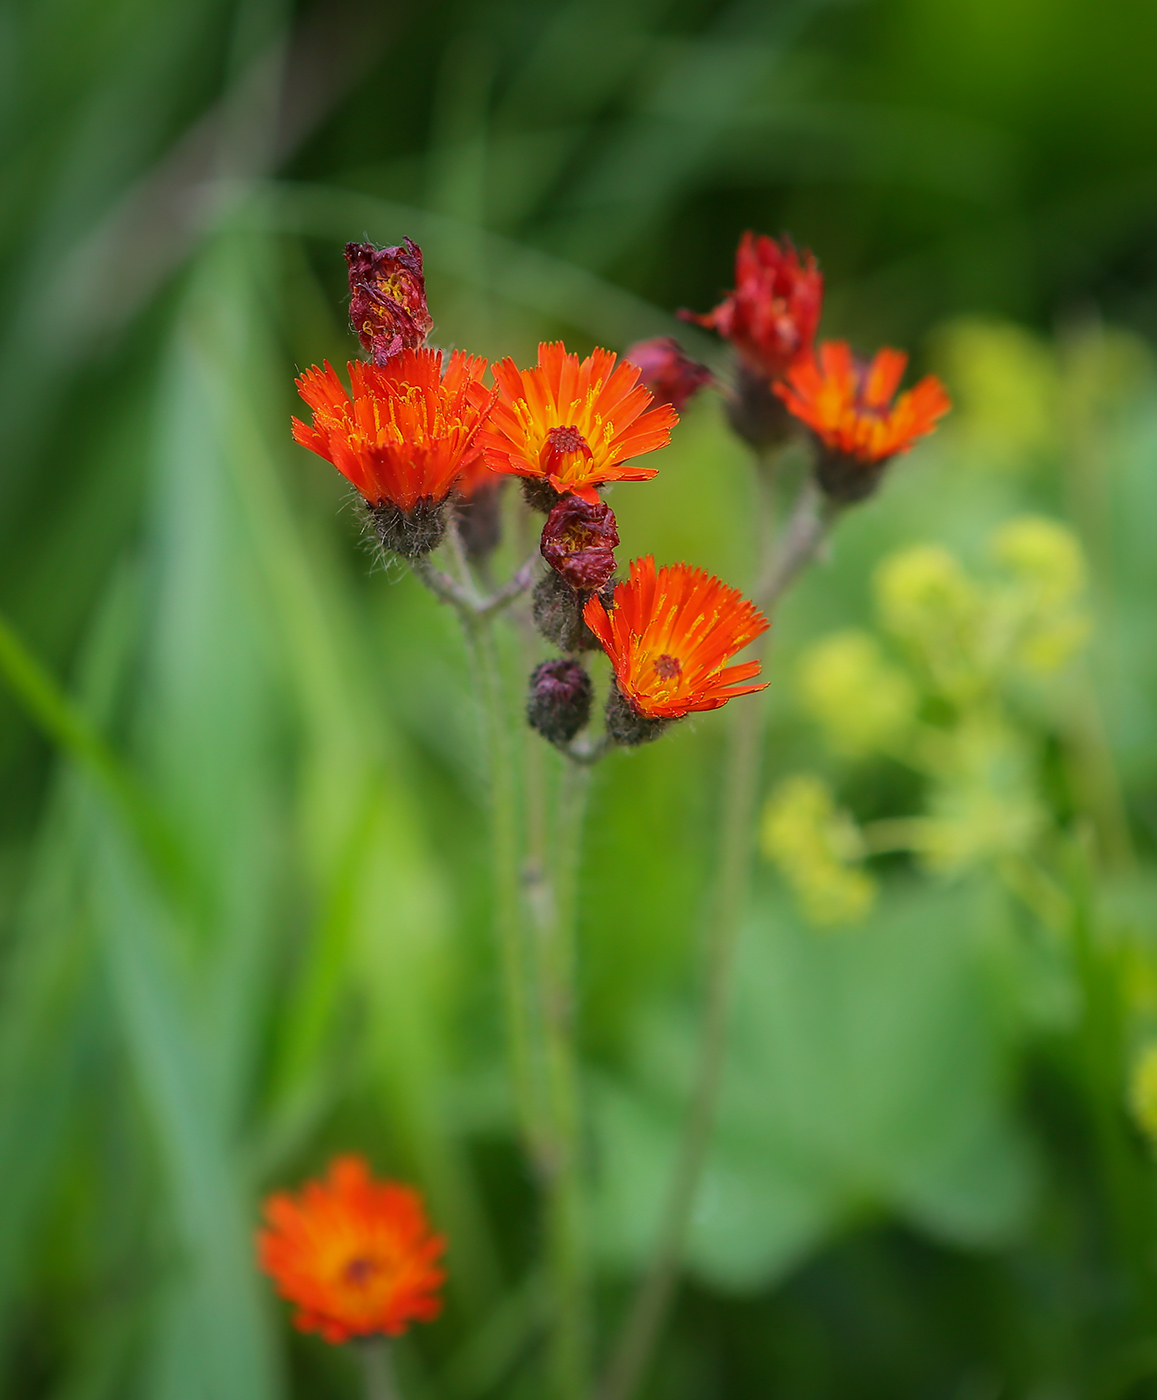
[
  {"x": 573, "y": 423},
  {"x": 408, "y": 428},
  {"x": 849, "y": 406},
  {"x": 670, "y": 633}
]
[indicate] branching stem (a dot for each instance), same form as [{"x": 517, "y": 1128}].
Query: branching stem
[{"x": 779, "y": 567}]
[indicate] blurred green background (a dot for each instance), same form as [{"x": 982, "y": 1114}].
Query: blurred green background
[{"x": 248, "y": 926}]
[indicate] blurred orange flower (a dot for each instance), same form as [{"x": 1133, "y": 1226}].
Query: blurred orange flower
[
  {"x": 408, "y": 430},
  {"x": 355, "y": 1255},
  {"x": 669, "y": 635},
  {"x": 572, "y": 424},
  {"x": 772, "y": 316},
  {"x": 848, "y": 404}
]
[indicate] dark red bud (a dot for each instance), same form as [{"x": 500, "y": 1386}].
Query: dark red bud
[
  {"x": 388, "y": 298},
  {"x": 559, "y": 703},
  {"x": 670, "y": 375},
  {"x": 578, "y": 542}
]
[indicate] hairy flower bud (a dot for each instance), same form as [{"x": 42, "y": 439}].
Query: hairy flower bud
[
  {"x": 388, "y": 298},
  {"x": 578, "y": 542},
  {"x": 670, "y": 374},
  {"x": 559, "y": 703},
  {"x": 558, "y": 614}
]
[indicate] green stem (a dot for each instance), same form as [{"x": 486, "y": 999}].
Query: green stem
[
  {"x": 553, "y": 904},
  {"x": 802, "y": 538},
  {"x": 378, "y": 1376},
  {"x": 505, "y": 862}
]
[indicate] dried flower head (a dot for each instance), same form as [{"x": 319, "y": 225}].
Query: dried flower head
[
  {"x": 403, "y": 437},
  {"x": 669, "y": 634},
  {"x": 572, "y": 425},
  {"x": 355, "y": 1255},
  {"x": 848, "y": 405},
  {"x": 388, "y": 298},
  {"x": 772, "y": 316},
  {"x": 578, "y": 542},
  {"x": 670, "y": 374}
]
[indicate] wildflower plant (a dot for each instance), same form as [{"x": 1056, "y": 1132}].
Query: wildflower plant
[{"x": 428, "y": 438}]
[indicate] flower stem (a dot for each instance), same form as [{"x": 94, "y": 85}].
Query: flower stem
[
  {"x": 802, "y": 538},
  {"x": 553, "y": 905},
  {"x": 477, "y": 617},
  {"x": 504, "y": 837},
  {"x": 377, "y": 1368}
]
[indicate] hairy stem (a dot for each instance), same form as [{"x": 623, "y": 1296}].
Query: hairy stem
[
  {"x": 506, "y": 872},
  {"x": 778, "y": 569},
  {"x": 379, "y": 1382},
  {"x": 553, "y": 904}
]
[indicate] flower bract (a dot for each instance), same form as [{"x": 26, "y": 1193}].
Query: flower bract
[
  {"x": 772, "y": 316},
  {"x": 669, "y": 635},
  {"x": 406, "y": 432},
  {"x": 574, "y": 424},
  {"x": 355, "y": 1255},
  {"x": 388, "y": 298},
  {"x": 849, "y": 404}
]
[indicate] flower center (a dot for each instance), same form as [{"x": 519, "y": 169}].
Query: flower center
[
  {"x": 667, "y": 667},
  {"x": 360, "y": 1271},
  {"x": 560, "y": 444}
]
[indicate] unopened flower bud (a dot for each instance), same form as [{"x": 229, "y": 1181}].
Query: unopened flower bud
[
  {"x": 559, "y": 703},
  {"x": 558, "y": 614},
  {"x": 670, "y": 374},
  {"x": 388, "y": 298},
  {"x": 755, "y": 414},
  {"x": 626, "y": 726},
  {"x": 578, "y": 542}
]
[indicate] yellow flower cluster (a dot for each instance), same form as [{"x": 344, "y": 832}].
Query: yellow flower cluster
[
  {"x": 864, "y": 704},
  {"x": 970, "y": 644},
  {"x": 1143, "y": 1091},
  {"x": 818, "y": 849}
]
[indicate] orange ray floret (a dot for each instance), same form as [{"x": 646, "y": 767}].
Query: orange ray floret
[
  {"x": 355, "y": 1255},
  {"x": 669, "y": 636},
  {"x": 574, "y": 424},
  {"x": 848, "y": 404},
  {"x": 407, "y": 431}
]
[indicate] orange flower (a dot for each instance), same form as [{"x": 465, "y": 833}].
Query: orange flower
[
  {"x": 848, "y": 404},
  {"x": 355, "y": 1255},
  {"x": 574, "y": 425},
  {"x": 772, "y": 315},
  {"x": 407, "y": 432},
  {"x": 669, "y": 636}
]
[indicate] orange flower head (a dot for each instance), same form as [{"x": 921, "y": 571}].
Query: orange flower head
[
  {"x": 849, "y": 407},
  {"x": 669, "y": 635},
  {"x": 356, "y": 1256},
  {"x": 573, "y": 425},
  {"x": 388, "y": 298},
  {"x": 404, "y": 435},
  {"x": 772, "y": 316}
]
